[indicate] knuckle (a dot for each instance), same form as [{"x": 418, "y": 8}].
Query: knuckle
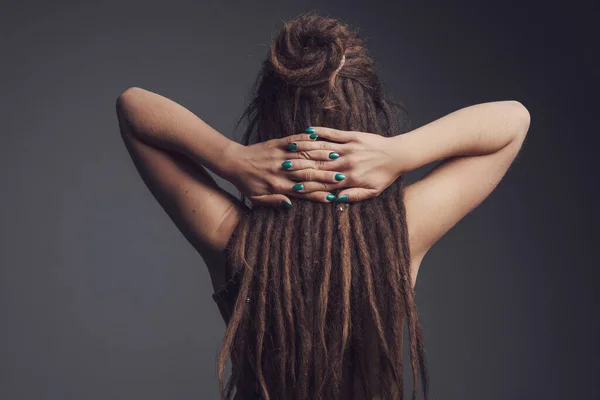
[
  {"x": 353, "y": 162},
  {"x": 277, "y": 152},
  {"x": 351, "y": 147},
  {"x": 319, "y": 164},
  {"x": 341, "y": 164},
  {"x": 274, "y": 186},
  {"x": 304, "y": 154},
  {"x": 309, "y": 175},
  {"x": 338, "y": 165},
  {"x": 321, "y": 176},
  {"x": 283, "y": 187},
  {"x": 326, "y": 187},
  {"x": 357, "y": 177}
]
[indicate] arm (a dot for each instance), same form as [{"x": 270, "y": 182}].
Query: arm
[
  {"x": 162, "y": 123},
  {"x": 172, "y": 149},
  {"x": 478, "y": 145},
  {"x": 476, "y": 130},
  {"x": 255, "y": 170},
  {"x": 169, "y": 146}
]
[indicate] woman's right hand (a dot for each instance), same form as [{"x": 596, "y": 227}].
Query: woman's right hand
[{"x": 370, "y": 162}]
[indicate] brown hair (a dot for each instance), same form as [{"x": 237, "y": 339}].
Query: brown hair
[{"x": 324, "y": 292}]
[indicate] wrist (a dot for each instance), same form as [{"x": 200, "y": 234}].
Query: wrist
[
  {"x": 402, "y": 154},
  {"x": 230, "y": 160}
]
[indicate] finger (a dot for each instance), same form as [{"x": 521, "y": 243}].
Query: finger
[
  {"x": 305, "y": 175},
  {"x": 320, "y": 196},
  {"x": 289, "y": 187},
  {"x": 272, "y": 200},
  {"x": 335, "y": 135},
  {"x": 315, "y": 132},
  {"x": 312, "y": 186},
  {"x": 354, "y": 194},
  {"x": 325, "y": 147},
  {"x": 300, "y": 137},
  {"x": 299, "y": 163}
]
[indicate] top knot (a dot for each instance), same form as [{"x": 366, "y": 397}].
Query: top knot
[{"x": 310, "y": 50}]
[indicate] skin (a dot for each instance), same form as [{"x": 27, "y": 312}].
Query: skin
[{"x": 172, "y": 149}]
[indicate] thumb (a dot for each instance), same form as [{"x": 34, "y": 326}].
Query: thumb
[
  {"x": 354, "y": 194},
  {"x": 272, "y": 200}
]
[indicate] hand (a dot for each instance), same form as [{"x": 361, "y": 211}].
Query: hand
[
  {"x": 259, "y": 172},
  {"x": 370, "y": 162}
]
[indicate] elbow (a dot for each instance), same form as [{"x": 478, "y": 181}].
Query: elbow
[
  {"x": 126, "y": 99},
  {"x": 125, "y": 104},
  {"x": 520, "y": 114}
]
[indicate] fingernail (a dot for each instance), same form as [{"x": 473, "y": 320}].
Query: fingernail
[
  {"x": 310, "y": 130},
  {"x": 292, "y": 146},
  {"x": 313, "y": 136},
  {"x": 285, "y": 204},
  {"x": 286, "y": 164},
  {"x": 342, "y": 199},
  {"x": 340, "y": 177},
  {"x": 297, "y": 187},
  {"x": 330, "y": 197},
  {"x": 334, "y": 155}
]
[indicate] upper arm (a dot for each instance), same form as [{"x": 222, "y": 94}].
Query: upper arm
[
  {"x": 449, "y": 192},
  {"x": 204, "y": 213}
]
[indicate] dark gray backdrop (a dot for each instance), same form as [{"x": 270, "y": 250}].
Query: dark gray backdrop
[{"x": 102, "y": 298}]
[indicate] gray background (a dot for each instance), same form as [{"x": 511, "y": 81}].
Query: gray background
[{"x": 102, "y": 298}]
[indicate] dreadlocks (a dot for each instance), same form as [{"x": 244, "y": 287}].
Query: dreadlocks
[{"x": 328, "y": 285}]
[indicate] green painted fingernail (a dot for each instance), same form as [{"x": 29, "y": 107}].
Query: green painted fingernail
[
  {"x": 340, "y": 177},
  {"x": 330, "y": 197},
  {"x": 334, "y": 155},
  {"x": 313, "y": 136},
  {"x": 286, "y": 164},
  {"x": 292, "y": 146},
  {"x": 310, "y": 130},
  {"x": 297, "y": 187},
  {"x": 342, "y": 199},
  {"x": 285, "y": 204}
]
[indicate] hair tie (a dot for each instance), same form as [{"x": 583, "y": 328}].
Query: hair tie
[{"x": 341, "y": 63}]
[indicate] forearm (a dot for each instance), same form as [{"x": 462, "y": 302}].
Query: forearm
[
  {"x": 475, "y": 130},
  {"x": 163, "y": 123}
]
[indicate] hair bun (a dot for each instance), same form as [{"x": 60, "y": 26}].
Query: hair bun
[{"x": 308, "y": 49}]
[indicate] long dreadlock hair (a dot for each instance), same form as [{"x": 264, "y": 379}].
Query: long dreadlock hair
[{"x": 324, "y": 291}]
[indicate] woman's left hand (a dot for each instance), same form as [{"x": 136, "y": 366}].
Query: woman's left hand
[{"x": 271, "y": 172}]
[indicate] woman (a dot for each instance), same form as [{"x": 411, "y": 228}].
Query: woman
[{"x": 316, "y": 280}]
